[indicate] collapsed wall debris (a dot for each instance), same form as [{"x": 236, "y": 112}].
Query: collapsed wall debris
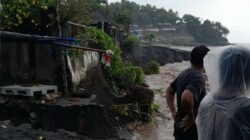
[{"x": 72, "y": 114}]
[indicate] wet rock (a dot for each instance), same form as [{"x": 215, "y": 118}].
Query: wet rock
[{"x": 4, "y": 124}]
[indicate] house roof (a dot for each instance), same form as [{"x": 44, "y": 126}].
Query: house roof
[{"x": 97, "y": 17}]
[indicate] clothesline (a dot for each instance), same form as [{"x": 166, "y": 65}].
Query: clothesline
[
  {"x": 80, "y": 48},
  {"x": 106, "y": 55}
]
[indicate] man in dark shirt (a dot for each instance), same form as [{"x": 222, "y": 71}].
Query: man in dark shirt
[{"x": 189, "y": 87}]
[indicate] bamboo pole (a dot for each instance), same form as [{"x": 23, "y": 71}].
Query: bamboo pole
[
  {"x": 63, "y": 61},
  {"x": 80, "y": 48}
]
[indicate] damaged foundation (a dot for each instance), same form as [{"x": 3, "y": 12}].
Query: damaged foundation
[
  {"x": 82, "y": 116},
  {"x": 37, "y": 60}
]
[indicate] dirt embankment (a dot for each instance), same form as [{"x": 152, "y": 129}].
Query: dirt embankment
[
  {"x": 142, "y": 55},
  {"x": 180, "y": 37}
]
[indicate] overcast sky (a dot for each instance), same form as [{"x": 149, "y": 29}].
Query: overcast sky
[{"x": 234, "y": 14}]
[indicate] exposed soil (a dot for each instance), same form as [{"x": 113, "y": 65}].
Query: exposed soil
[{"x": 163, "y": 55}]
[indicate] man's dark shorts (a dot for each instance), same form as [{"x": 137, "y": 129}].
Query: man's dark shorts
[{"x": 190, "y": 134}]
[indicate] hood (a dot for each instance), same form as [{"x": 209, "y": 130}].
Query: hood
[{"x": 228, "y": 71}]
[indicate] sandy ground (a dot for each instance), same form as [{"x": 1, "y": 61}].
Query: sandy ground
[{"x": 159, "y": 129}]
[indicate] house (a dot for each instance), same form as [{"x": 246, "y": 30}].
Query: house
[{"x": 116, "y": 31}]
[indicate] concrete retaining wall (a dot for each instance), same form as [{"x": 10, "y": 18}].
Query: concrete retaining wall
[{"x": 32, "y": 59}]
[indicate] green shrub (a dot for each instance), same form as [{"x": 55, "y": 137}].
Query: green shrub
[
  {"x": 127, "y": 75},
  {"x": 130, "y": 43},
  {"x": 121, "y": 109},
  {"x": 139, "y": 75},
  {"x": 114, "y": 87},
  {"x": 152, "y": 67},
  {"x": 73, "y": 52},
  {"x": 98, "y": 39},
  {"x": 132, "y": 75},
  {"x": 155, "y": 106}
]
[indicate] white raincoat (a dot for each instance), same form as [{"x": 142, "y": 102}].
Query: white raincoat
[{"x": 224, "y": 113}]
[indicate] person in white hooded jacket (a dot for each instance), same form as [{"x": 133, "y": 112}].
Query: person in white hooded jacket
[{"x": 224, "y": 113}]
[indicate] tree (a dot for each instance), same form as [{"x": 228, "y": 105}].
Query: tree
[
  {"x": 142, "y": 14},
  {"x": 78, "y": 10},
  {"x": 221, "y": 28},
  {"x": 123, "y": 19},
  {"x": 191, "y": 21},
  {"x": 149, "y": 37},
  {"x": 142, "y": 19},
  {"x": 41, "y": 17},
  {"x": 130, "y": 43},
  {"x": 28, "y": 16},
  {"x": 164, "y": 16}
]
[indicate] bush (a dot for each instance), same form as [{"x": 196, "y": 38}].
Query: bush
[
  {"x": 127, "y": 75},
  {"x": 149, "y": 37},
  {"x": 74, "y": 52},
  {"x": 155, "y": 106},
  {"x": 130, "y": 43},
  {"x": 98, "y": 39},
  {"x": 132, "y": 75},
  {"x": 152, "y": 67},
  {"x": 139, "y": 75}
]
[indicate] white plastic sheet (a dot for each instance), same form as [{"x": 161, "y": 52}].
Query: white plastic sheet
[{"x": 224, "y": 113}]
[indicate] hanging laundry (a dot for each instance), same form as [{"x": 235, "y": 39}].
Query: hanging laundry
[{"x": 107, "y": 58}]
